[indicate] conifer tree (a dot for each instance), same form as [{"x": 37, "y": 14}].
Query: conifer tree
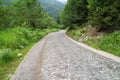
[
  {"x": 74, "y": 13},
  {"x": 104, "y": 13}
]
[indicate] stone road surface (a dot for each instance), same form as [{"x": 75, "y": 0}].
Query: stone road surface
[{"x": 55, "y": 57}]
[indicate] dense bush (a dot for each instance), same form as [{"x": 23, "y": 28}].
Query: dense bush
[
  {"x": 28, "y": 35},
  {"x": 6, "y": 55},
  {"x": 14, "y": 39}
]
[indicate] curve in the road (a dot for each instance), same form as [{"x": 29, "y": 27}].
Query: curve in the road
[{"x": 56, "y": 57}]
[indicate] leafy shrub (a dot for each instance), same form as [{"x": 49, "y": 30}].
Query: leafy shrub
[
  {"x": 24, "y": 34},
  {"x": 77, "y": 33},
  {"x": 17, "y": 38},
  {"x": 6, "y": 55}
]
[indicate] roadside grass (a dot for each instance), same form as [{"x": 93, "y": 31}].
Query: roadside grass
[
  {"x": 7, "y": 69},
  {"x": 7, "y": 40},
  {"x": 14, "y": 41},
  {"x": 109, "y": 42}
]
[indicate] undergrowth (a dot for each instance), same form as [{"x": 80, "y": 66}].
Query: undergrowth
[
  {"x": 107, "y": 42},
  {"x": 76, "y": 33},
  {"x": 14, "y": 41}
]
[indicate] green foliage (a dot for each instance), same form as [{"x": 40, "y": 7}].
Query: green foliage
[
  {"x": 76, "y": 33},
  {"x": 47, "y": 22},
  {"x": 107, "y": 42},
  {"x": 7, "y": 38},
  {"x": 5, "y": 18},
  {"x": 22, "y": 23},
  {"x": 24, "y": 13},
  {"x": 6, "y": 55},
  {"x": 14, "y": 39},
  {"x": 9, "y": 67},
  {"x": 2, "y": 1},
  {"x": 104, "y": 14},
  {"x": 99, "y": 13},
  {"x": 74, "y": 13},
  {"x": 22, "y": 39},
  {"x": 110, "y": 43},
  {"x": 27, "y": 11}
]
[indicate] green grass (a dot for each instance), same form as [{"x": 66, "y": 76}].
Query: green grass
[
  {"x": 109, "y": 42},
  {"x": 7, "y": 38},
  {"x": 17, "y": 40},
  {"x": 7, "y": 69}
]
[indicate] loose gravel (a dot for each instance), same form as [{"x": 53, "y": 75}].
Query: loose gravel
[{"x": 55, "y": 57}]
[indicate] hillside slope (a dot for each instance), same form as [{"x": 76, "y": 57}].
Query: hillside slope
[{"x": 52, "y": 7}]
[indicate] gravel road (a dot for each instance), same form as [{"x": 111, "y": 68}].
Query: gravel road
[{"x": 55, "y": 57}]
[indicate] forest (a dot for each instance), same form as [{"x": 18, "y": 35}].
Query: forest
[{"x": 24, "y": 22}]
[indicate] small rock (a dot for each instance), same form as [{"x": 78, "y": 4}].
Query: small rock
[{"x": 19, "y": 55}]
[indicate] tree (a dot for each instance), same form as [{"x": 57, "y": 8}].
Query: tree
[
  {"x": 2, "y": 1},
  {"x": 5, "y": 15},
  {"x": 24, "y": 13},
  {"x": 104, "y": 13},
  {"x": 74, "y": 13},
  {"x": 47, "y": 21},
  {"x": 29, "y": 12}
]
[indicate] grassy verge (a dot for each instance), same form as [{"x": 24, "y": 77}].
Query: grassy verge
[
  {"x": 109, "y": 42},
  {"x": 7, "y": 69},
  {"x": 14, "y": 44}
]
